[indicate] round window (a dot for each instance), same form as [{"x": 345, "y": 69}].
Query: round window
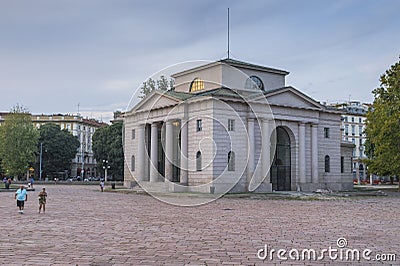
[{"x": 253, "y": 83}]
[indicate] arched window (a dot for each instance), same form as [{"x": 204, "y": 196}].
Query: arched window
[
  {"x": 198, "y": 161},
  {"x": 254, "y": 83},
  {"x": 327, "y": 164},
  {"x": 133, "y": 163},
  {"x": 196, "y": 85},
  {"x": 231, "y": 161}
]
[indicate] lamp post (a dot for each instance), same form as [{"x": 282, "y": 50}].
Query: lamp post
[
  {"x": 40, "y": 161},
  {"x": 105, "y": 167}
]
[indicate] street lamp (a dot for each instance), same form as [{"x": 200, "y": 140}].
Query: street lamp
[
  {"x": 105, "y": 167},
  {"x": 40, "y": 161}
]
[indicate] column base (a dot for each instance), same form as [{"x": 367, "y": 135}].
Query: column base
[
  {"x": 177, "y": 187},
  {"x": 263, "y": 188},
  {"x": 130, "y": 183},
  {"x": 310, "y": 187}
]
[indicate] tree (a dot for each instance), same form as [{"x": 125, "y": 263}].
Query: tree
[
  {"x": 161, "y": 84},
  {"x": 58, "y": 148},
  {"x": 107, "y": 145},
  {"x": 18, "y": 142},
  {"x": 383, "y": 126},
  {"x": 1, "y": 169}
]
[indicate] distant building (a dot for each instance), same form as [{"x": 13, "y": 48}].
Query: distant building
[
  {"x": 77, "y": 126},
  {"x": 353, "y": 130}
]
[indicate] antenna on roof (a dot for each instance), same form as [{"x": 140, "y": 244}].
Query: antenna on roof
[{"x": 228, "y": 32}]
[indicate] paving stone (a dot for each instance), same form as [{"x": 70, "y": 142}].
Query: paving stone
[{"x": 85, "y": 227}]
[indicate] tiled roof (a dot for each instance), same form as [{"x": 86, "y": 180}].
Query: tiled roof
[
  {"x": 230, "y": 61},
  {"x": 179, "y": 95},
  {"x": 221, "y": 92}
]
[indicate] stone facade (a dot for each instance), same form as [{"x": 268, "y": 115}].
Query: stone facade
[{"x": 234, "y": 126}]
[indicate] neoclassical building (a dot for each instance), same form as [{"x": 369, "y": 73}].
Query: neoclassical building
[{"x": 234, "y": 126}]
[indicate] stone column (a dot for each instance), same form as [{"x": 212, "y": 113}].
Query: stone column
[
  {"x": 314, "y": 153},
  {"x": 265, "y": 148},
  {"x": 140, "y": 156},
  {"x": 168, "y": 150},
  {"x": 250, "y": 149},
  {"x": 184, "y": 152},
  {"x": 154, "y": 153},
  {"x": 364, "y": 172},
  {"x": 302, "y": 153}
]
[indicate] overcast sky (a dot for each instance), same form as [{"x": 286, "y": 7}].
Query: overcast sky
[{"x": 56, "y": 54}]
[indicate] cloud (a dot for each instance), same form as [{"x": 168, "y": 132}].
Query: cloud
[{"x": 55, "y": 55}]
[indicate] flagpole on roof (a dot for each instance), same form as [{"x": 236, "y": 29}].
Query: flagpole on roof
[{"x": 228, "y": 32}]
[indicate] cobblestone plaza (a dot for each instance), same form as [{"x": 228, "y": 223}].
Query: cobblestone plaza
[{"x": 83, "y": 226}]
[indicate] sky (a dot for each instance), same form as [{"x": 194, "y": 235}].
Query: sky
[{"x": 91, "y": 56}]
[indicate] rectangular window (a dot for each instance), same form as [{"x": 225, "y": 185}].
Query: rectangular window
[
  {"x": 326, "y": 132},
  {"x": 342, "y": 164},
  {"x": 327, "y": 164},
  {"x": 360, "y": 130},
  {"x": 231, "y": 161},
  {"x": 133, "y": 134},
  {"x": 199, "y": 126},
  {"x": 231, "y": 125},
  {"x": 353, "y": 130},
  {"x": 352, "y": 119},
  {"x": 133, "y": 163},
  {"x": 360, "y": 120},
  {"x": 346, "y": 129}
]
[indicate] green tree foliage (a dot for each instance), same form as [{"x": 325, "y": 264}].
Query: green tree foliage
[
  {"x": 1, "y": 169},
  {"x": 383, "y": 125},
  {"x": 107, "y": 145},
  {"x": 162, "y": 84},
  {"x": 59, "y": 147},
  {"x": 18, "y": 142}
]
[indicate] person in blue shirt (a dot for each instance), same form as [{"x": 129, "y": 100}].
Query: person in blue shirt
[
  {"x": 31, "y": 180},
  {"x": 21, "y": 196}
]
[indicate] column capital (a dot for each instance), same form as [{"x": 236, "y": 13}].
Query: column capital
[
  {"x": 154, "y": 124},
  {"x": 266, "y": 120}
]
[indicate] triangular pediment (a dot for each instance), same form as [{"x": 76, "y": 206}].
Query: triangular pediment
[
  {"x": 155, "y": 100},
  {"x": 291, "y": 97}
]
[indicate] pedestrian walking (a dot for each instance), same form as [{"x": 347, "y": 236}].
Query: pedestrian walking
[
  {"x": 5, "y": 182},
  {"x": 42, "y": 200},
  {"x": 31, "y": 180},
  {"x": 21, "y": 196},
  {"x": 102, "y": 185}
]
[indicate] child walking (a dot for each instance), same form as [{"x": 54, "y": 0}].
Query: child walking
[{"x": 42, "y": 200}]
